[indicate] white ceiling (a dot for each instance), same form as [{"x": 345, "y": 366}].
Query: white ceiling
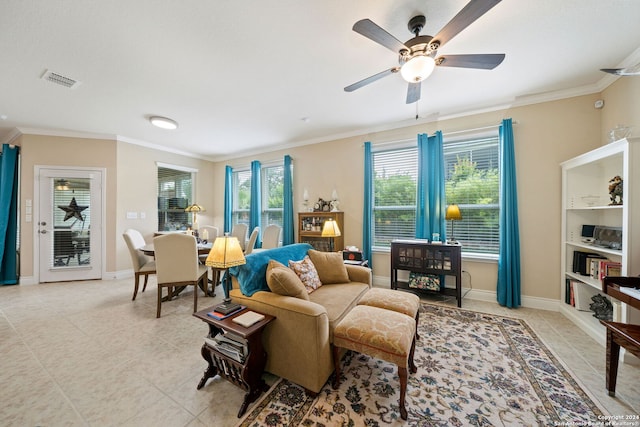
[{"x": 239, "y": 76}]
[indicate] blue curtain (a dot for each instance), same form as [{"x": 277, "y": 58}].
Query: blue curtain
[
  {"x": 8, "y": 215},
  {"x": 255, "y": 209},
  {"x": 367, "y": 214},
  {"x": 287, "y": 212},
  {"x": 228, "y": 195},
  {"x": 431, "y": 207},
  {"x": 508, "y": 287}
]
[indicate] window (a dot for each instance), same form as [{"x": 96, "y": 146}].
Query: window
[
  {"x": 394, "y": 193},
  {"x": 272, "y": 195},
  {"x": 241, "y": 197},
  {"x": 472, "y": 182},
  {"x": 175, "y": 193}
]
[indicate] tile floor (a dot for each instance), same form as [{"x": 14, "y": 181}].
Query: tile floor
[{"x": 84, "y": 354}]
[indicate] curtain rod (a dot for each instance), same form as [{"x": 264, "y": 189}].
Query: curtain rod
[{"x": 457, "y": 132}]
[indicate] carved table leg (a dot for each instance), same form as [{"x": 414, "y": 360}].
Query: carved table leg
[{"x": 211, "y": 370}]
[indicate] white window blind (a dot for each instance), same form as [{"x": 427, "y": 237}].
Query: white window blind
[
  {"x": 394, "y": 206},
  {"x": 472, "y": 182},
  {"x": 241, "y": 197},
  {"x": 175, "y": 192},
  {"x": 272, "y": 195}
]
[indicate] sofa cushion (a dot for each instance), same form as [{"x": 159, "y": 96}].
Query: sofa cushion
[
  {"x": 338, "y": 299},
  {"x": 307, "y": 272},
  {"x": 284, "y": 281},
  {"x": 330, "y": 266},
  {"x": 252, "y": 275}
]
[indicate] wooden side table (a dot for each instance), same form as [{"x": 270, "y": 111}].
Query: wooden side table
[{"x": 248, "y": 374}]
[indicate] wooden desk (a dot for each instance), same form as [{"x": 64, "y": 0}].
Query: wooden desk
[
  {"x": 420, "y": 256},
  {"x": 620, "y": 334}
]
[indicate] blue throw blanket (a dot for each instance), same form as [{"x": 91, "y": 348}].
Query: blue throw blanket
[{"x": 252, "y": 275}]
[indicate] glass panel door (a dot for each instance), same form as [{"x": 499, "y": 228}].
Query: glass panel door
[{"x": 69, "y": 225}]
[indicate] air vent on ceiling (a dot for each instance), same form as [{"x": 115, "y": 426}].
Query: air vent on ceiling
[{"x": 60, "y": 79}]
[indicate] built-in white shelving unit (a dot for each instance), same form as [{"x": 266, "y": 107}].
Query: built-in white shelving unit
[{"x": 586, "y": 201}]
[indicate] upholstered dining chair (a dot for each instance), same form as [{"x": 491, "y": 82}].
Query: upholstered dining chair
[
  {"x": 177, "y": 265},
  {"x": 142, "y": 264},
  {"x": 212, "y": 233},
  {"x": 271, "y": 236},
  {"x": 252, "y": 241},
  {"x": 240, "y": 231}
]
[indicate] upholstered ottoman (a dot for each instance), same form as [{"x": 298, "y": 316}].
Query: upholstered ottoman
[
  {"x": 379, "y": 333},
  {"x": 391, "y": 299}
]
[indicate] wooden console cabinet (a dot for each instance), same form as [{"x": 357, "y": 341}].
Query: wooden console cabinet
[{"x": 420, "y": 256}]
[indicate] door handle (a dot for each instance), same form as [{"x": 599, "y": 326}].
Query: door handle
[{"x": 42, "y": 231}]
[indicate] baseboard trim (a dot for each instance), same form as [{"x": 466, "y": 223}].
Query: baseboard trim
[{"x": 488, "y": 296}]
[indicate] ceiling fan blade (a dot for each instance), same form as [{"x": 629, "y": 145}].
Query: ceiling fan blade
[
  {"x": 413, "y": 92},
  {"x": 373, "y": 31},
  {"x": 487, "y": 61},
  {"x": 472, "y": 11},
  {"x": 371, "y": 79},
  {"x": 629, "y": 71}
]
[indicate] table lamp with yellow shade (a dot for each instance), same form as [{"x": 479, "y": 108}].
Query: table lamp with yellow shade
[
  {"x": 331, "y": 230},
  {"x": 226, "y": 253},
  {"x": 453, "y": 214}
]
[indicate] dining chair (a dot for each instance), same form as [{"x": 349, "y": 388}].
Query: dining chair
[
  {"x": 142, "y": 264},
  {"x": 212, "y": 235},
  {"x": 252, "y": 241},
  {"x": 240, "y": 231},
  {"x": 177, "y": 265},
  {"x": 212, "y": 232},
  {"x": 271, "y": 236}
]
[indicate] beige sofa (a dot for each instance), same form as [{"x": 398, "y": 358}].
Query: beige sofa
[{"x": 298, "y": 342}]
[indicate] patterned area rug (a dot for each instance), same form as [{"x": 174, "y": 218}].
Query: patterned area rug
[{"x": 474, "y": 369}]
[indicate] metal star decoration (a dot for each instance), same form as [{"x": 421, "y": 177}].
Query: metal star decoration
[{"x": 73, "y": 210}]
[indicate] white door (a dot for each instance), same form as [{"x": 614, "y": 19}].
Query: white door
[{"x": 69, "y": 228}]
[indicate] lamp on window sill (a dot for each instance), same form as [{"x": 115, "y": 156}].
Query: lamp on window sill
[
  {"x": 453, "y": 214},
  {"x": 194, "y": 209},
  {"x": 226, "y": 253},
  {"x": 331, "y": 230}
]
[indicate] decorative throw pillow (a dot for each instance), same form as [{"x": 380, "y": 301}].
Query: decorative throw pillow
[
  {"x": 330, "y": 266},
  {"x": 424, "y": 281},
  {"x": 283, "y": 281},
  {"x": 307, "y": 272}
]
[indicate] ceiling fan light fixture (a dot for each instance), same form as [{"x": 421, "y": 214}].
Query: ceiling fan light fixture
[
  {"x": 417, "y": 68},
  {"x": 163, "y": 122}
]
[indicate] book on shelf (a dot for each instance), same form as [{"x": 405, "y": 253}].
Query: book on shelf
[
  {"x": 582, "y": 262},
  {"x": 220, "y": 316},
  {"x": 248, "y": 319}
]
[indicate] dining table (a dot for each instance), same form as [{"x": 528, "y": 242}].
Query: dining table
[{"x": 203, "y": 249}]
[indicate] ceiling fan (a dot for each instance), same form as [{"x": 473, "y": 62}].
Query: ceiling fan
[
  {"x": 417, "y": 56},
  {"x": 628, "y": 71}
]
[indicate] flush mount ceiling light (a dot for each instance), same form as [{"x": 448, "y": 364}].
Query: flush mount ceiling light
[{"x": 163, "y": 122}]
